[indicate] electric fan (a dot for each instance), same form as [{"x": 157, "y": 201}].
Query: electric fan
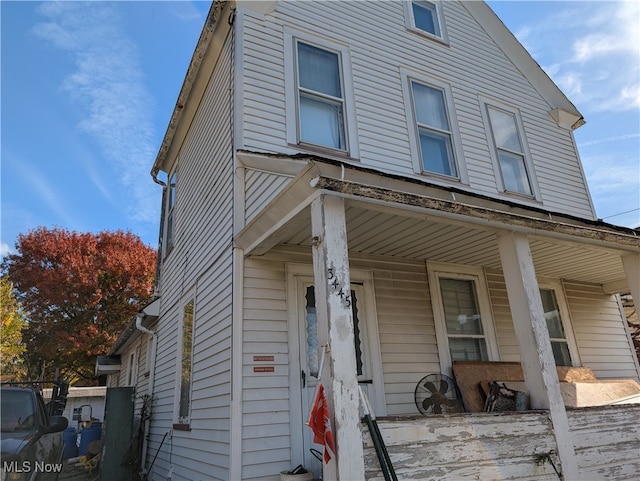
[{"x": 437, "y": 394}]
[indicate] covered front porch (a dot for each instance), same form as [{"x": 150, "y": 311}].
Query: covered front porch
[{"x": 414, "y": 244}]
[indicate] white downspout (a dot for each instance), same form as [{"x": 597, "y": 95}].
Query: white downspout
[
  {"x": 140, "y": 327},
  {"x": 152, "y": 369}
]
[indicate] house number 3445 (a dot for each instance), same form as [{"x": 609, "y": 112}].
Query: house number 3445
[{"x": 338, "y": 287}]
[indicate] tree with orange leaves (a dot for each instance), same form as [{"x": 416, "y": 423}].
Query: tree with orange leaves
[{"x": 78, "y": 291}]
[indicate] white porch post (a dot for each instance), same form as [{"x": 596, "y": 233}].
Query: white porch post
[
  {"x": 631, "y": 264},
  {"x": 333, "y": 304},
  {"x": 536, "y": 355}
]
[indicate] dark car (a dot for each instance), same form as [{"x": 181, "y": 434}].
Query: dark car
[{"x": 32, "y": 445}]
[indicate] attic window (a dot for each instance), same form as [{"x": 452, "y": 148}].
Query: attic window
[{"x": 424, "y": 16}]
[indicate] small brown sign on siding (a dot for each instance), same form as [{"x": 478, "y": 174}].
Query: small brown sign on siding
[
  {"x": 264, "y": 369},
  {"x": 263, "y": 358}
]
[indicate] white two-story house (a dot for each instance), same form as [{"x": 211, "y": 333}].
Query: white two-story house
[{"x": 360, "y": 194}]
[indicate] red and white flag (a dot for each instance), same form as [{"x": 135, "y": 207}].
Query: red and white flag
[{"x": 320, "y": 423}]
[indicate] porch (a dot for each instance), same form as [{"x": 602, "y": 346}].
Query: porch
[{"x": 352, "y": 226}]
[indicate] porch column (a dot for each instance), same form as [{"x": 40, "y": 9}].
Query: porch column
[
  {"x": 333, "y": 304},
  {"x": 536, "y": 355},
  {"x": 631, "y": 264}
]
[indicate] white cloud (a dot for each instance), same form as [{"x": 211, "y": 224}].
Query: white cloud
[
  {"x": 41, "y": 187},
  {"x": 616, "y": 138},
  {"x": 108, "y": 81},
  {"x": 5, "y": 250},
  {"x": 592, "y": 51}
]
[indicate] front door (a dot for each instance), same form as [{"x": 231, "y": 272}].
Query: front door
[{"x": 367, "y": 353}]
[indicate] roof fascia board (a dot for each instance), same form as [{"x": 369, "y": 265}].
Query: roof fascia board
[{"x": 521, "y": 58}]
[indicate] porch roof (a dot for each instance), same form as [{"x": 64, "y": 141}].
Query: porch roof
[{"x": 388, "y": 215}]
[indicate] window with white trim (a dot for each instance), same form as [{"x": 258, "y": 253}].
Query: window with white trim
[
  {"x": 170, "y": 209},
  {"x": 132, "y": 369},
  {"x": 435, "y": 137},
  {"x": 320, "y": 97},
  {"x": 150, "y": 354},
  {"x": 559, "y": 327},
  {"x": 510, "y": 150},
  {"x": 464, "y": 324},
  {"x": 320, "y": 105},
  {"x": 463, "y": 320},
  {"x": 186, "y": 363},
  {"x": 425, "y": 17}
]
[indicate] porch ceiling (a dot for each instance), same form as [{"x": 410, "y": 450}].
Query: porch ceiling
[
  {"x": 379, "y": 231},
  {"x": 392, "y": 216}
]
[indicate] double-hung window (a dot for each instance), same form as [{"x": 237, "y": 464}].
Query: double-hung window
[
  {"x": 463, "y": 320},
  {"x": 321, "y": 101},
  {"x": 435, "y": 137},
  {"x": 560, "y": 342},
  {"x": 510, "y": 151},
  {"x": 464, "y": 326}
]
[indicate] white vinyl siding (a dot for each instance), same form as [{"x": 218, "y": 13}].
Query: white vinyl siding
[
  {"x": 379, "y": 47},
  {"x": 203, "y": 262},
  {"x": 599, "y": 332},
  {"x": 260, "y": 189}
]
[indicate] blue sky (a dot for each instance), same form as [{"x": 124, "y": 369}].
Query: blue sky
[{"x": 88, "y": 90}]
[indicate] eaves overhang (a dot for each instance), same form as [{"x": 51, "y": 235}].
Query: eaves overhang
[{"x": 150, "y": 313}]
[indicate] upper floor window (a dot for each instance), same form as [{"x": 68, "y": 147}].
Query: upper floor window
[
  {"x": 320, "y": 105},
  {"x": 320, "y": 97},
  {"x": 171, "y": 201},
  {"x": 434, "y": 130},
  {"x": 510, "y": 151},
  {"x": 425, "y": 16}
]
